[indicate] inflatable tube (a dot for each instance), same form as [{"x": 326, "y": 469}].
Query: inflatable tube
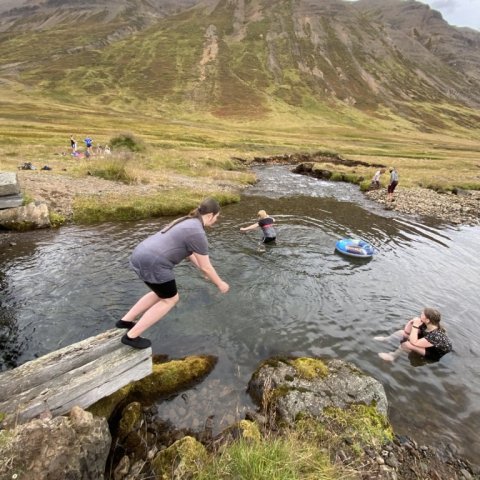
[{"x": 354, "y": 247}]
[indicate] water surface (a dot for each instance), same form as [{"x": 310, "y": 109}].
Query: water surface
[{"x": 298, "y": 297}]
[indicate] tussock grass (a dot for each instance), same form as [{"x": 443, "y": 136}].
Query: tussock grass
[{"x": 283, "y": 458}]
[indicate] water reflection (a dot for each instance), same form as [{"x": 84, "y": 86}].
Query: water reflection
[{"x": 297, "y": 297}]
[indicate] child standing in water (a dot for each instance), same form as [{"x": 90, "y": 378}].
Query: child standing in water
[{"x": 265, "y": 222}]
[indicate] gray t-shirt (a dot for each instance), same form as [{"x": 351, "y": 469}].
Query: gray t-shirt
[{"x": 153, "y": 259}]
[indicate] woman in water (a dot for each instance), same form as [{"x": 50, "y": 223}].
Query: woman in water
[
  {"x": 423, "y": 335},
  {"x": 154, "y": 259},
  {"x": 266, "y": 224}
]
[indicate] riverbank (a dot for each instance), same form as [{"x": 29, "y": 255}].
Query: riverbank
[
  {"x": 462, "y": 208},
  {"x": 61, "y": 191}
]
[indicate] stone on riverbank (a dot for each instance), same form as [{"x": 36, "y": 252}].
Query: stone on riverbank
[
  {"x": 456, "y": 209},
  {"x": 74, "y": 447},
  {"x": 32, "y": 216}
]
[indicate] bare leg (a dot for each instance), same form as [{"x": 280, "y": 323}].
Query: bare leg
[
  {"x": 147, "y": 301},
  {"x": 394, "y": 336},
  {"x": 156, "y": 311},
  {"x": 390, "y": 357}
]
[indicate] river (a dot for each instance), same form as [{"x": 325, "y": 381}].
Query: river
[{"x": 298, "y": 297}]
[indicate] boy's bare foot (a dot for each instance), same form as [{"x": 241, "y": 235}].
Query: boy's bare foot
[{"x": 388, "y": 357}]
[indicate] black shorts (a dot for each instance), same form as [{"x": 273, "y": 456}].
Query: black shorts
[
  {"x": 392, "y": 186},
  {"x": 269, "y": 239},
  {"x": 163, "y": 290}
]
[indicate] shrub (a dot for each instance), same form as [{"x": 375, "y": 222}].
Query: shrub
[
  {"x": 115, "y": 169},
  {"x": 127, "y": 141}
]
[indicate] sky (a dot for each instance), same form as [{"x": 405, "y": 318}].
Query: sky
[{"x": 461, "y": 13}]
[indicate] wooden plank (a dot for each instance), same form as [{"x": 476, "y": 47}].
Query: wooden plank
[
  {"x": 11, "y": 201},
  {"x": 106, "y": 366},
  {"x": 38, "y": 371}
]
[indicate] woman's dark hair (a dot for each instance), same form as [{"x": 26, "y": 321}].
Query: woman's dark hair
[
  {"x": 434, "y": 316},
  {"x": 209, "y": 205}
]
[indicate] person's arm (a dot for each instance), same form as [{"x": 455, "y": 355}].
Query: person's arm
[
  {"x": 204, "y": 264},
  {"x": 413, "y": 338},
  {"x": 250, "y": 227}
]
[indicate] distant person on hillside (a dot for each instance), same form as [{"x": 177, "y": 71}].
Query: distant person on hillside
[
  {"x": 393, "y": 184},
  {"x": 73, "y": 144},
  {"x": 375, "y": 185},
  {"x": 265, "y": 222},
  {"x": 88, "y": 144},
  {"x": 423, "y": 335},
  {"x": 154, "y": 260}
]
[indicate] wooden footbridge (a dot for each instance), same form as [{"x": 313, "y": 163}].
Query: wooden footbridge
[{"x": 79, "y": 374}]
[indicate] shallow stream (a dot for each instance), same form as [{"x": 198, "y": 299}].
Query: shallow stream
[{"x": 298, "y": 297}]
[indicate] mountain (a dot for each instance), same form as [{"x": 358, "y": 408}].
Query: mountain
[{"x": 244, "y": 57}]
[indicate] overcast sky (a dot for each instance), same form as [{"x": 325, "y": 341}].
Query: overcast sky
[{"x": 462, "y": 13}]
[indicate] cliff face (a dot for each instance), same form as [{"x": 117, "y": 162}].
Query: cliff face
[{"x": 231, "y": 57}]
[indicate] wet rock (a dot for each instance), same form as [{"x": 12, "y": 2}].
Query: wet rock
[
  {"x": 179, "y": 460},
  {"x": 341, "y": 385}
]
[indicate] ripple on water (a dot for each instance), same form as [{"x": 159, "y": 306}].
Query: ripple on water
[{"x": 298, "y": 296}]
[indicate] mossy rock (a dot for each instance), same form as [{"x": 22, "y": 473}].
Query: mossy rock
[
  {"x": 180, "y": 460},
  {"x": 309, "y": 368},
  {"x": 242, "y": 430},
  {"x": 167, "y": 379}
]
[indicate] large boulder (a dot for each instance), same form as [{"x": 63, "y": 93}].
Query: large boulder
[
  {"x": 74, "y": 447},
  {"x": 307, "y": 386},
  {"x": 32, "y": 216}
]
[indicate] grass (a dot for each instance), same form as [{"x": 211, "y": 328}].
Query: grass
[
  {"x": 126, "y": 208},
  {"x": 197, "y": 154},
  {"x": 275, "y": 458}
]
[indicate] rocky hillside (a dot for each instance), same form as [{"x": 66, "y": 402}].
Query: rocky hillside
[{"x": 247, "y": 58}]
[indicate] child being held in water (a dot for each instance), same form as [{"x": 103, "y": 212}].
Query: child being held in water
[{"x": 265, "y": 222}]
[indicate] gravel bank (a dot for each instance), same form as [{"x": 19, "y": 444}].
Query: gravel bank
[{"x": 463, "y": 208}]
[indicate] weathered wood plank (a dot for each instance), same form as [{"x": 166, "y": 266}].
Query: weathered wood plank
[
  {"x": 40, "y": 370},
  {"x": 11, "y": 201},
  {"x": 106, "y": 366}
]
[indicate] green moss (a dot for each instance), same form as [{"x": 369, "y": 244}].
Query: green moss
[
  {"x": 167, "y": 379},
  {"x": 180, "y": 460},
  {"x": 362, "y": 425},
  {"x": 56, "y": 219},
  {"x": 132, "y": 417},
  {"x": 310, "y": 368}
]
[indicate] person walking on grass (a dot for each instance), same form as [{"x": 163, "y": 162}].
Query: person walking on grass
[
  {"x": 154, "y": 260},
  {"x": 393, "y": 184},
  {"x": 265, "y": 222}
]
